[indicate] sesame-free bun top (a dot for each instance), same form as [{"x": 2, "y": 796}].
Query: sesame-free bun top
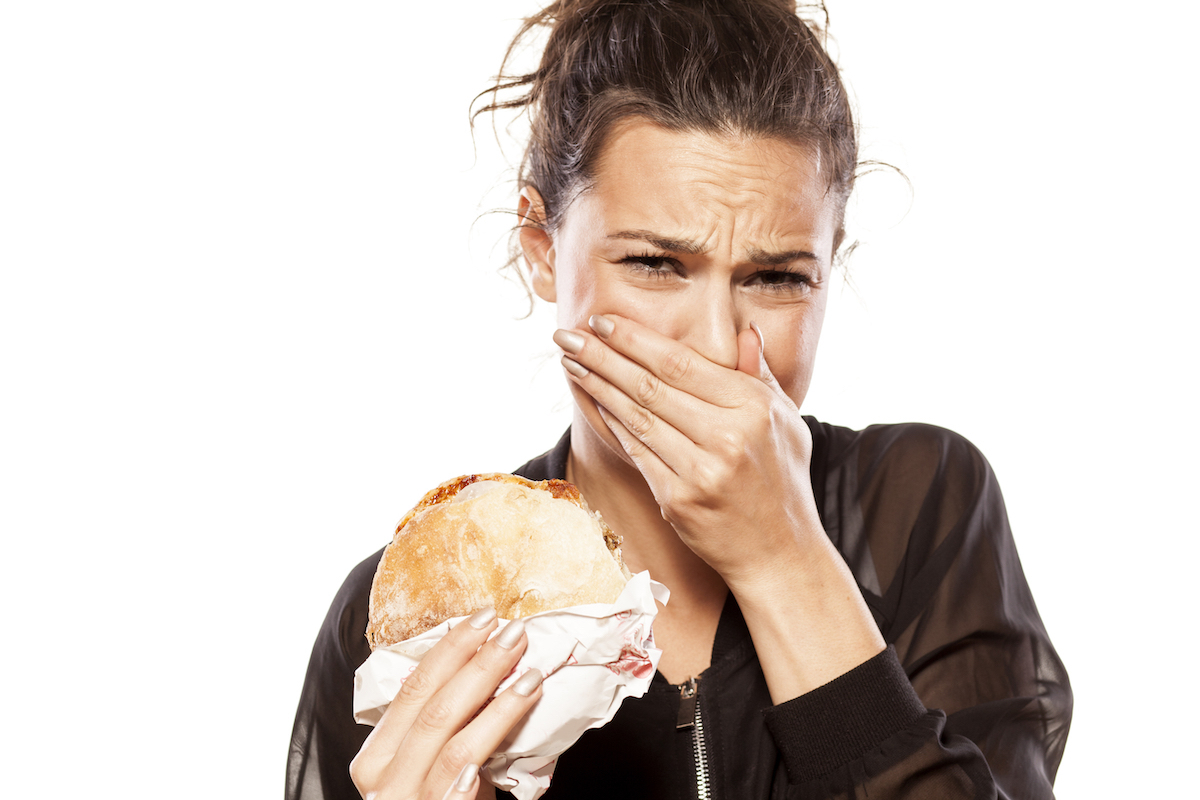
[{"x": 492, "y": 540}]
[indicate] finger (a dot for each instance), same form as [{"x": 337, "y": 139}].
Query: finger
[
  {"x": 657, "y": 472},
  {"x": 750, "y": 348},
  {"x": 656, "y": 433},
  {"x": 437, "y": 667},
  {"x": 465, "y": 785},
  {"x": 671, "y": 361},
  {"x": 452, "y": 707},
  {"x": 634, "y": 394},
  {"x": 479, "y": 740},
  {"x": 752, "y": 355}
]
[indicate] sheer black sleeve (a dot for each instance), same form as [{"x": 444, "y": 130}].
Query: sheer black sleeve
[
  {"x": 970, "y": 699},
  {"x": 325, "y": 737}
]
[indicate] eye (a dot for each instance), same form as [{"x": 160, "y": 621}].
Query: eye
[
  {"x": 655, "y": 266},
  {"x": 779, "y": 280}
]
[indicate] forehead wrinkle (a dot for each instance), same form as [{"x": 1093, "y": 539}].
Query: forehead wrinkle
[{"x": 737, "y": 195}]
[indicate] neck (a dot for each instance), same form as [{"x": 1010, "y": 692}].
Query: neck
[{"x": 618, "y": 491}]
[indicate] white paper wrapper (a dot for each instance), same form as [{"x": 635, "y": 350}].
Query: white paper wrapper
[{"x": 593, "y": 657}]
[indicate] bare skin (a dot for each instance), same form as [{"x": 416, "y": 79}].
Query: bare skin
[{"x": 690, "y": 285}]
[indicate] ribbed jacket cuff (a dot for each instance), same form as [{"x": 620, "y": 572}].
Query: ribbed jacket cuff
[{"x": 841, "y": 721}]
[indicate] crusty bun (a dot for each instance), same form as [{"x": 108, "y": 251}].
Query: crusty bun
[{"x": 492, "y": 540}]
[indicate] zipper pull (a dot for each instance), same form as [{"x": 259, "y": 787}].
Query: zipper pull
[{"x": 688, "y": 695}]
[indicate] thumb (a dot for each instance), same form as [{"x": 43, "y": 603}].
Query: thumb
[{"x": 751, "y": 354}]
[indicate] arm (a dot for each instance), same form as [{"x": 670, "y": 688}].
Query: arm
[
  {"x": 799, "y": 597},
  {"x": 325, "y": 736},
  {"x": 919, "y": 514}
]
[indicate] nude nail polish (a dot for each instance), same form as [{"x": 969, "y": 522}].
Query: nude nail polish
[
  {"x": 466, "y": 779},
  {"x": 511, "y": 634},
  {"x": 603, "y": 326},
  {"x": 527, "y": 683},
  {"x": 482, "y": 618},
  {"x": 574, "y": 367},
  {"x": 762, "y": 342},
  {"x": 570, "y": 341}
]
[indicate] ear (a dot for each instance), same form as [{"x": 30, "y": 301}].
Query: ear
[{"x": 536, "y": 244}]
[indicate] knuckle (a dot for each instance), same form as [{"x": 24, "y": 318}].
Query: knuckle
[
  {"x": 416, "y": 688},
  {"x": 707, "y": 481},
  {"x": 731, "y": 443},
  {"x": 595, "y": 354},
  {"x": 648, "y": 389},
  {"x": 641, "y": 422},
  {"x": 456, "y": 755},
  {"x": 760, "y": 407},
  {"x": 435, "y": 716},
  {"x": 676, "y": 366}
]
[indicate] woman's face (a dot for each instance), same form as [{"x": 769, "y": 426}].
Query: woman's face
[{"x": 696, "y": 236}]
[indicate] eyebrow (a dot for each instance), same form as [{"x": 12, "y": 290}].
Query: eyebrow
[
  {"x": 661, "y": 242},
  {"x": 757, "y": 256}
]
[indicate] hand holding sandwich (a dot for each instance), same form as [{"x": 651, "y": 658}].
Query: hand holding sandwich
[
  {"x": 438, "y": 730},
  {"x": 476, "y": 550}
]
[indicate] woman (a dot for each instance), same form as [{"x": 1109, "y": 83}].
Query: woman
[{"x": 848, "y": 605}]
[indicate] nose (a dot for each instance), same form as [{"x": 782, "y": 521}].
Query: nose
[{"x": 710, "y": 323}]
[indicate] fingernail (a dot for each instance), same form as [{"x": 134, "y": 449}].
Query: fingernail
[
  {"x": 511, "y": 634},
  {"x": 570, "y": 341},
  {"x": 762, "y": 343},
  {"x": 603, "y": 326},
  {"x": 527, "y": 683},
  {"x": 482, "y": 618},
  {"x": 466, "y": 779},
  {"x": 574, "y": 367}
]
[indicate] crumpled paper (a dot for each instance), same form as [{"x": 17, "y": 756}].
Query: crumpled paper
[{"x": 593, "y": 657}]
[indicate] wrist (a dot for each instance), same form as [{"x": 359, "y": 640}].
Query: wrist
[{"x": 807, "y": 619}]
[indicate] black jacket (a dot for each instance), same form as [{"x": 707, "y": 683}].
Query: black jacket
[{"x": 917, "y": 514}]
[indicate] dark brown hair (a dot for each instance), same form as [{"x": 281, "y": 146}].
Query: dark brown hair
[{"x": 738, "y": 67}]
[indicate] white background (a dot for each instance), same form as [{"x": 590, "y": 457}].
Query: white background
[{"x": 247, "y": 318}]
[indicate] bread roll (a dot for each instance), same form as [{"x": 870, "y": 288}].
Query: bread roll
[{"x": 492, "y": 540}]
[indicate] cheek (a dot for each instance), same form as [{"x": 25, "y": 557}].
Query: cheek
[
  {"x": 576, "y": 294},
  {"x": 792, "y": 352},
  {"x": 585, "y": 290}
]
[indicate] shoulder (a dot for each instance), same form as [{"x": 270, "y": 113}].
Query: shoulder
[
  {"x": 346, "y": 623},
  {"x": 893, "y": 495},
  {"x": 551, "y": 464},
  {"x": 913, "y": 454}
]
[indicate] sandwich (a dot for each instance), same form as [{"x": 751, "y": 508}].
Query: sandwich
[{"x": 497, "y": 540}]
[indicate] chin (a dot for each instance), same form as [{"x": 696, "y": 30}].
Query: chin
[{"x": 590, "y": 414}]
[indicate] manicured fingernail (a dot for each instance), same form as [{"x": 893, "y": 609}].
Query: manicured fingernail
[
  {"x": 511, "y": 634},
  {"x": 466, "y": 779},
  {"x": 527, "y": 683},
  {"x": 574, "y": 367},
  {"x": 762, "y": 343},
  {"x": 482, "y": 618},
  {"x": 603, "y": 326},
  {"x": 570, "y": 341}
]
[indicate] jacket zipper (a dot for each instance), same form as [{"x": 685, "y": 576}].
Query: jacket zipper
[{"x": 689, "y": 717}]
